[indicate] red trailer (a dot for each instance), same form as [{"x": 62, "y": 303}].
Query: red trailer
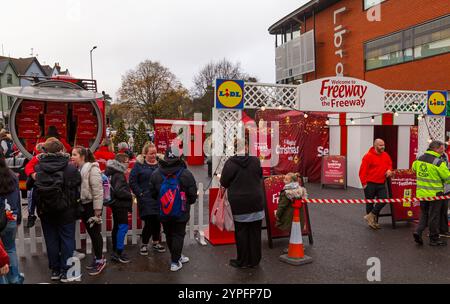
[{"x": 165, "y": 136}]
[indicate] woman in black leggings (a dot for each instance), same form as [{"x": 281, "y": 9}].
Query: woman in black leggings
[
  {"x": 92, "y": 203},
  {"x": 148, "y": 207}
]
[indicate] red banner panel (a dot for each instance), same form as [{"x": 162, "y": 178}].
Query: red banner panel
[
  {"x": 55, "y": 119},
  {"x": 302, "y": 141},
  {"x": 27, "y": 119},
  {"x": 403, "y": 185},
  {"x": 163, "y": 137},
  {"x": 29, "y": 131},
  {"x": 86, "y": 133},
  {"x": 28, "y": 106},
  {"x": 413, "y": 144},
  {"x": 82, "y": 109},
  {"x": 59, "y": 108},
  {"x": 273, "y": 186},
  {"x": 334, "y": 170},
  {"x": 87, "y": 121}
]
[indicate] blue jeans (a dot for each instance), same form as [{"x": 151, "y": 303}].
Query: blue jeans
[
  {"x": 60, "y": 242},
  {"x": 8, "y": 237},
  {"x": 31, "y": 204}
]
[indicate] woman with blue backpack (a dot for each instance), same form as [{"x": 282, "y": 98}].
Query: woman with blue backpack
[
  {"x": 175, "y": 188},
  {"x": 91, "y": 203},
  {"x": 140, "y": 176}
]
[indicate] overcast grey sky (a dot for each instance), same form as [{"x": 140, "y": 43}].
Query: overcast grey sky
[{"x": 183, "y": 35}]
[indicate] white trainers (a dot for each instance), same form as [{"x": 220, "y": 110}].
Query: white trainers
[
  {"x": 143, "y": 250},
  {"x": 176, "y": 266},
  {"x": 78, "y": 255},
  {"x": 184, "y": 259}
]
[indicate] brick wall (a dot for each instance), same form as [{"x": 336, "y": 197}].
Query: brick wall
[{"x": 423, "y": 74}]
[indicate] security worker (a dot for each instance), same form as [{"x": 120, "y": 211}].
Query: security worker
[{"x": 432, "y": 174}]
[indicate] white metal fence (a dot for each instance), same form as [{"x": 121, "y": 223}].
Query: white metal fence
[{"x": 30, "y": 240}]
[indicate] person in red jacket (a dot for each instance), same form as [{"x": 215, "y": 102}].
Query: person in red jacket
[
  {"x": 52, "y": 131},
  {"x": 4, "y": 260},
  {"x": 104, "y": 153},
  {"x": 376, "y": 166}
]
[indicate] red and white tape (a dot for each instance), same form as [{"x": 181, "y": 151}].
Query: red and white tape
[{"x": 370, "y": 201}]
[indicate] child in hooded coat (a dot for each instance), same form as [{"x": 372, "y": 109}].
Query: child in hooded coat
[{"x": 285, "y": 211}]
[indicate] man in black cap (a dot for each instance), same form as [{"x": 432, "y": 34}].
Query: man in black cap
[{"x": 175, "y": 188}]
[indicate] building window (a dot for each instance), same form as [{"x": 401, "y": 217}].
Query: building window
[
  {"x": 429, "y": 39},
  {"x": 369, "y": 3},
  {"x": 9, "y": 78}
]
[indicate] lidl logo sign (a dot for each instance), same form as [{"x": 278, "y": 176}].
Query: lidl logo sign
[
  {"x": 229, "y": 94},
  {"x": 437, "y": 103}
]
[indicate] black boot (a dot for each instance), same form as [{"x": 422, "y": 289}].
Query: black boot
[
  {"x": 418, "y": 238},
  {"x": 31, "y": 221}
]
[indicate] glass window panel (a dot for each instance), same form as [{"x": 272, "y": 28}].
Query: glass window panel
[
  {"x": 433, "y": 48},
  {"x": 432, "y": 38},
  {"x": 369, "y": 3},
  {"x": 408, "y": 55},
  {"x": 385, "y": 60}
]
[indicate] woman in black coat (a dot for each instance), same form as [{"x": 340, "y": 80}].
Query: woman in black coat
[
  {"x": 242, "y": 177},
  {"x": 140, "y": 176}
]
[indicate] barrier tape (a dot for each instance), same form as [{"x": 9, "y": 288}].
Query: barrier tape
[{"x": 371, "y": 201}]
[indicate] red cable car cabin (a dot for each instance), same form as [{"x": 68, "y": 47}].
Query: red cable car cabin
[{"x": 76, "y": 112}]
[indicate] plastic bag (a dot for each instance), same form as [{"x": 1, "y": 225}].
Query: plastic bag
[
  {"x": 228, "y": 215},
  {"x": 217, "y": 214},
  {"x": 221, "y": 215}
]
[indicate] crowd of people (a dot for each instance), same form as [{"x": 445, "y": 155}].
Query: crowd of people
[
  {"x": 66, "y": 187},
  {"x": 63, "y": 188}
]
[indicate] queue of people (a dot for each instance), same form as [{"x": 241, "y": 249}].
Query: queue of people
[{"x": 66, "y": 187}]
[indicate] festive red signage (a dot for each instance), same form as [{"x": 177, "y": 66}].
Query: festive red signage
[
  {"x": 403, "y": 185},
  {"x": 273, "y": 186},
  {"x": 413, "y": 144},
  {"x": 302, "y": 141},
  {"x": 334, "y": 170},
  {"x": 262, "y": 147},
  {"x": 163, "y": 137}
]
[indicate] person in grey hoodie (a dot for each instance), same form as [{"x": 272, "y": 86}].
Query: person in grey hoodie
[{"x": 92, "y": 203}]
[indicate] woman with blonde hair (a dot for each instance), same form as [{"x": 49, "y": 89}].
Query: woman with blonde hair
[{"x": 146, "y": 164}]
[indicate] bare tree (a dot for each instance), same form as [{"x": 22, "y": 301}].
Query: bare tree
[
  {"x": 223, "y": 69},
  {"x": 145, "y": 88}
]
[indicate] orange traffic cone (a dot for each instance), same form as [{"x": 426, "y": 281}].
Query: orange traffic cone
[{"x": 296, "y": 253}]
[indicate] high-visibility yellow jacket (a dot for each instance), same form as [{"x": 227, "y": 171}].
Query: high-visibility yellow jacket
[{"x": 431, "y": 173}]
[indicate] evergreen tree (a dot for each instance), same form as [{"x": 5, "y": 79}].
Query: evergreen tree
[
  {"x": 121, "y": 135},
  {"x": 140, "y": 138}
]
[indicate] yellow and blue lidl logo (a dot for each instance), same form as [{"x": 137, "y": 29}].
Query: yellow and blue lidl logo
[
  {"x": 437, "y": 103},
  {"x": 229, "y": 94}
]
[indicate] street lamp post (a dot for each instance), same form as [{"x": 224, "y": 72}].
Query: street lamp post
[{"x": 92, "y": 70}]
